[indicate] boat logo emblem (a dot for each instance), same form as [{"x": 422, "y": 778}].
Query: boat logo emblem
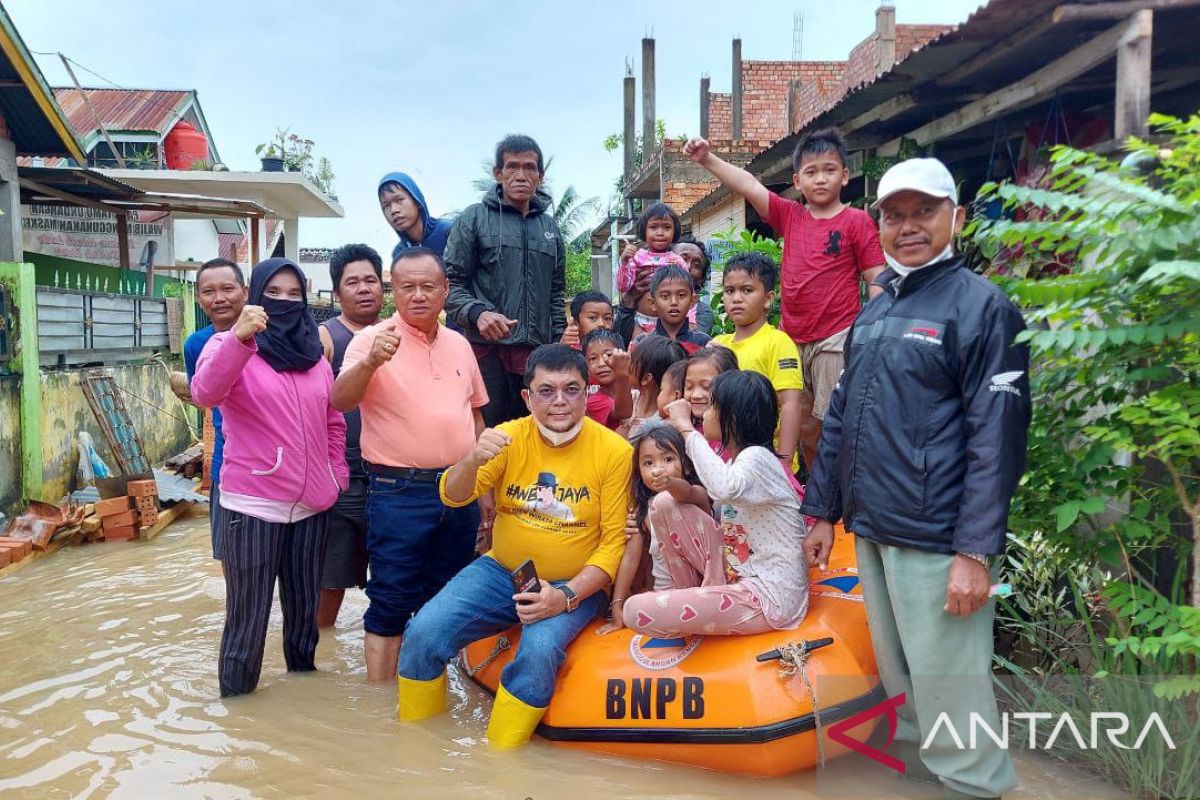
[
  {"x": 842, "y": 584},
  {"x": 652, "y": 652}
]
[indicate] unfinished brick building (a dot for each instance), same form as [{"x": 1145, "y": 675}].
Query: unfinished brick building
[{"x": 769, "y": 101}]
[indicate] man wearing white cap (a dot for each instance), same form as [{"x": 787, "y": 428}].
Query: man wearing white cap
[{"x": 922, "y": 448}]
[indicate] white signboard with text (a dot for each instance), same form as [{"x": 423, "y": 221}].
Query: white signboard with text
[{"x": 85, "y": 234}]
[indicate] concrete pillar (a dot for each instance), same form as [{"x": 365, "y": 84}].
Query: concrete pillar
[
  {"x": 885, "y": 37},
  {"x": 291, "y": 239},
  {"x": 10, "y": 201},
  {"x": 629, "y": 131},
  {"x": 1133, "y": 77},
  {"x": 704, "y": 84},
  {"x": 649, "y": 139},
  {"x": 736, "y": 95}
]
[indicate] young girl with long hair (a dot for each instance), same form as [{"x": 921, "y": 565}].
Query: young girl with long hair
[{"x": 745, "y": 574}]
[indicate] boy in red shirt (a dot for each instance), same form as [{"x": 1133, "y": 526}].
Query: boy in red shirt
[{"x": 827, "y": 248}]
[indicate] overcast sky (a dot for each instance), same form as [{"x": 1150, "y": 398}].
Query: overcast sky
[{"x": 429, "y": 88}]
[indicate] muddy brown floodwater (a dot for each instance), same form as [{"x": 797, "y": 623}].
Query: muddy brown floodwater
[{"x": 108, "y": 689}]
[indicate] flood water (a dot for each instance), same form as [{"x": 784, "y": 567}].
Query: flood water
[{"x": 108, "y": 689}]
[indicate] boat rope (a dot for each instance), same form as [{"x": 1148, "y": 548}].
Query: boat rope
[
  {"x": 792, "y": 661},
  {"x": 499, "y": 647}
]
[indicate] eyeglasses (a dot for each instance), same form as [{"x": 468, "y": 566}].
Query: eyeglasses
[{"x": 547, "y": 394}]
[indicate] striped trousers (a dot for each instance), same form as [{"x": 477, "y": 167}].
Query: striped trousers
[{"x": 255, "y": 553}]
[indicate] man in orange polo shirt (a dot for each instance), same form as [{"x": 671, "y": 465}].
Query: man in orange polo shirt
[{"x": 419, "y": 390}]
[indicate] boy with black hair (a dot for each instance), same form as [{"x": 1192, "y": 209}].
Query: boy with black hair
[
  {"x": 828, "y": 248},
  {"x": 748, "y": 291},
  {"x": 589, "y": 310},
  {"x": 610, "y": 401},
  {"x": 674, "y": 293}
]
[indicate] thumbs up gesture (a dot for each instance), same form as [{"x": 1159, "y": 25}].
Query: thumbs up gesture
[{"x": 387, "y": 342}]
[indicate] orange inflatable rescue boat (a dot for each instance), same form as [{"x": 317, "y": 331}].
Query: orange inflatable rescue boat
[{"x": 729, "y": 703}]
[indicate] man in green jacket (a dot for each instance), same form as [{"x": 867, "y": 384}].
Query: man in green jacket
[{"x": 506, "y": 262}]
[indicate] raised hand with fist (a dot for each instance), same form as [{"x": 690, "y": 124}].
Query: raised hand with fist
[
  {"x": 252, "y": 320},
  {"x": 490, "y": 443},
  {"x": 697, "y": 149},
  {"x": 387, "y": 342}
]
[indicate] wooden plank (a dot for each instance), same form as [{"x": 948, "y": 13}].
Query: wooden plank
[
  {"x": 59, "y": 299},
  {"x": 1076, "y": 11},
  {"x": 885, "y": 110},
  {"x": 165, "y": 518},
  {"x": 53, "y": 547},
  {"x": 112, "y": 302},
  {"x": 123, "y": 239},
  {"x": 59, "y": 314},
  {"x": 53, "y": 328},
  {"x": 63, "y": 344},
  {"x": 1034, "y": 87},
  {"x": 1133, "y": 77},
  {"x": 994, "y": 52},
  {"x": 66, "y": 197}
]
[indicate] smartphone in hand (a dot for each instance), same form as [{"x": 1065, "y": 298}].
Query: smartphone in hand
[{"x": 525, "y": 578}]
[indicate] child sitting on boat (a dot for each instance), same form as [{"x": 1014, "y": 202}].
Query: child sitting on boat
[
  {"x": 745, "y": 574},
  {"x": 660, "y": 466}
]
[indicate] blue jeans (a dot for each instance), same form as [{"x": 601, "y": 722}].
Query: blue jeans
[
  {"x": 415, "y": 543},
  {"x": 477, "y": 603}
]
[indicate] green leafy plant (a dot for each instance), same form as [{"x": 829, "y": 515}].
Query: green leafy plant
[
  {"x": 1114, "y": 456},
  {"x": 143, "y": 158},
  {"x": 741, "y": 241},
  {"x": 297, "y": 155}
]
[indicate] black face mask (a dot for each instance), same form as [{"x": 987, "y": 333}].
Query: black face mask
[{"x": 290, "y": 343}]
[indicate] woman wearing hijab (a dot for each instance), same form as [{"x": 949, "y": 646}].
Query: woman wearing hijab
[{"x": 283, "y": 469}]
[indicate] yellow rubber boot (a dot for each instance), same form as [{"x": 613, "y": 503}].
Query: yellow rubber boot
[
  {"x": 512, "y": 722},
  {"x": 418, "y": 700}
]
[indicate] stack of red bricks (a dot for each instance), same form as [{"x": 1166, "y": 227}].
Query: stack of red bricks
[
  {"x": 121, "y": 517},
  {"x": 145, "y": 501},
  {"x": 13, "y": 550}
]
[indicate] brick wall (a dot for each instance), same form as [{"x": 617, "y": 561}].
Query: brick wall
[
  {"x": 813, "y": 98},
  {"x": 765, "y": 89},
  {"x": 913, "y": 37},
  {"x": 820, "y": 90},
  {"x": 685, "y": 183},
  {"x": 720, "y": 116}
]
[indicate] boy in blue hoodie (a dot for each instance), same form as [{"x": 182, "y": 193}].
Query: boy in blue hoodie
[{"x": 404, "y": 207}]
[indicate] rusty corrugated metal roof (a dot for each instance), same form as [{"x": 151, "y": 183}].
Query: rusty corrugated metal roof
[{"x": 121, "y": 109}]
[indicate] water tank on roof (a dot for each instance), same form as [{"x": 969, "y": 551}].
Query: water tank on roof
[{"x": 185, "y": 146}]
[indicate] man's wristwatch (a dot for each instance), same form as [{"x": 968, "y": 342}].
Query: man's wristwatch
[
  {"x": 572, "y": 598},
  {"x": 982, "y": 558}
]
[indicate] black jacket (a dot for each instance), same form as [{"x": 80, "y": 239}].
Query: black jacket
[
  {"x": 924, "y": 439},
  {"x": 498, "y": 260}
]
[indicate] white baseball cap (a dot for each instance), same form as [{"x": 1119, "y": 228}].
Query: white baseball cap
[{"x": 925, "y": 175}]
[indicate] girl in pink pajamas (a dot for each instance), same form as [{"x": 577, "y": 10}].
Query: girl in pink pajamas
[{"x": 745, "y": 573}]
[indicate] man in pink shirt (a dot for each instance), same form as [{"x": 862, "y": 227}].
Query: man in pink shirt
[{"x": 419, "y": 390}]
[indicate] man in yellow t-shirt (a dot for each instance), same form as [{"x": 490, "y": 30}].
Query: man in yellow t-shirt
[
  {"x": 561, "y": 482},
  {"x": 748, "y": 290}
]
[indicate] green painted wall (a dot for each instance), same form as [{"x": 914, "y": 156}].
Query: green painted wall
[
  {"x": 10, "y": 444},
  {"x": 65, "y": 412},
  {"x": 71, "y": 274}
]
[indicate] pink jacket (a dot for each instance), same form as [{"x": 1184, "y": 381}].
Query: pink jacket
[
  {"x": 643, "y": 261},
  {"x": 283, "y": 439}
]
